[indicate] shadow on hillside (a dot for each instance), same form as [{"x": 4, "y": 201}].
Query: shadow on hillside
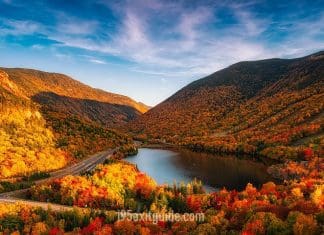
[{"x": 104, "y": 113}]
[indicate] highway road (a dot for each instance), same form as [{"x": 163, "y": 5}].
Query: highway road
[{"x": 86, "y": 164}]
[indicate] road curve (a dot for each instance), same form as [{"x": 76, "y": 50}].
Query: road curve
[{"x": 86, "y": 164}]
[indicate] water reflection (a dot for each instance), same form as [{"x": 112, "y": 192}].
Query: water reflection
[{"x": 166, "y": 166}]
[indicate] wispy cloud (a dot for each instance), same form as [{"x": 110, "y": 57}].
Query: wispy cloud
[
  {"x": 303, "y": 37},
  {"x": 19, "y": 27},
  {"x": 250, "y": 25},
  {"x": 37, "y": 47},
  {"x": 96, "y": 61},
  {"x": 194, "y": 52},
  {"x": 76, "y": 26},
  {"x": 174, "y": 39},
  {"x": 8, "y": 2},
  {"x": 63, "y": 57}
]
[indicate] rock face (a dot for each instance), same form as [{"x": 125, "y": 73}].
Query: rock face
[{"x": 9, "y": 85}]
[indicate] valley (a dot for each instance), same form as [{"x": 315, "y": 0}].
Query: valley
[
  {"x": 161, "y": 117},
  {"x": 243, "y": 146}
]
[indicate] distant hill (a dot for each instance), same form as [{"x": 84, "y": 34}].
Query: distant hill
[
  {"x": 270, "y": 107},
  {"x": 48, "y": 119},
  {"x": 106, "y": 108}
]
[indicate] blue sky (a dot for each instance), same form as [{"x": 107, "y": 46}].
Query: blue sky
[{"x": 148, "y": 49}]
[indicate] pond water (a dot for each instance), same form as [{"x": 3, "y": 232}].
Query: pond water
[{"x": 168, "y": 166}]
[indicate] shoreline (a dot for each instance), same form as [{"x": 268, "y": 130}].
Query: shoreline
[{"x": 266, "y": 161}]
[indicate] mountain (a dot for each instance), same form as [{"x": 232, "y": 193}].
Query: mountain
[
  {"x": 270, "y": 107},
  {"x": 49, "y": 119},
  {"x": 58, "y": 92}
]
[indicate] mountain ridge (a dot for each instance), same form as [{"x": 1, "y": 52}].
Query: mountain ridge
[
  {"x": 54, "y": 83},
  {"x": 241, "y": 100}
]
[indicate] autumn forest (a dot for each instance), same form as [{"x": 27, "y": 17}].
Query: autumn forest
[{"x": 63, "y": 144}]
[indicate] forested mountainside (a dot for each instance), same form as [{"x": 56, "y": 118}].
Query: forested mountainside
[
  {"x": 47, "y": 119},
  {"x": 26, "y": 144},
  {"x": 270, "y": 107},
  {"x": 58, "y": 92}
]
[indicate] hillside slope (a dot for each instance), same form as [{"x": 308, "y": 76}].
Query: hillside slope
[
  {"x": 41, "y": 86},
  {"x": 26, "y": 144},
  {"x": 263, "y": 107},
  {"x": 45, "y": 122}
]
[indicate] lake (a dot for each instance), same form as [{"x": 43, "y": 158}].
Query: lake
[{"x": 166, "y": 166}]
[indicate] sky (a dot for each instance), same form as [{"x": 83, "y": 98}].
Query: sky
[{"x": 149, "y": 49}]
